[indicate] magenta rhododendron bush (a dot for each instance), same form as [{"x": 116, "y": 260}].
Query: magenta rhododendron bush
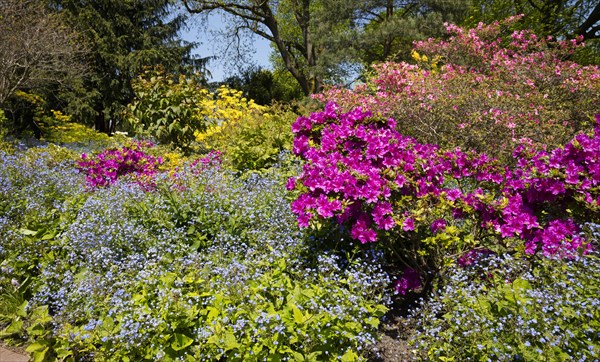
[
  {"x": 484, "y": 89},
  {"x": 105, "y": 168},
  {"x": 365, "y": 174}
]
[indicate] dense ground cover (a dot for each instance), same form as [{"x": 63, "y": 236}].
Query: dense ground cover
[
  {"x": 214, "y": 245},
  {"x": 196, "y": 263}
]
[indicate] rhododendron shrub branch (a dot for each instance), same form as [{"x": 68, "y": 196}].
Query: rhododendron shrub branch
[
  {"x": 483, "y": 89},
  {"x": 105, "y": 168},
  {"x": 363, "y": 173}
]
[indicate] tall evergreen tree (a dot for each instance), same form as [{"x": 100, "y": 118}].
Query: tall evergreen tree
[
  {"x": 559, "y": 18},
  {"x": 124, "y": 36}
]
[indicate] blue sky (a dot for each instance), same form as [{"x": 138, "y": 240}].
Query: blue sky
[{"x": 209, "y": 48}]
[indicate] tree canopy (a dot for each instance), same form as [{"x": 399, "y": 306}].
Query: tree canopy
[
  {"x": 125, "y": 37},
  {"x": 565, "y": 18},
  {"x": 36, "y": 48},
  {"x": 320, "y": 40}
]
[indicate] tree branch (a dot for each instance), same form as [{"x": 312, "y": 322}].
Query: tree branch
[{"x": 584, "y": 28}]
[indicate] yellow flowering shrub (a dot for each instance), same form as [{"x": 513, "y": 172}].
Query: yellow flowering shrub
[
  {"x": 225, "y": 108},
  {"x": 180, "y": 112},
  {"x": 249, "y": 136}
]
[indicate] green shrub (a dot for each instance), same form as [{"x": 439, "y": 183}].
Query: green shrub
[
  {"x": 168, "y": 109},
  {"x": 255, "y": 141}
]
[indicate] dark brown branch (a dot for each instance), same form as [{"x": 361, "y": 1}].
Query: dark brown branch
[{"x": 586, "y": 28}]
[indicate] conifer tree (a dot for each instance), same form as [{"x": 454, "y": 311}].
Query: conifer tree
[{"x": 124, "y": 37}]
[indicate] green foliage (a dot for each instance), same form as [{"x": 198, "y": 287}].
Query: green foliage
[
  {"x": 392, "y": 26},
  {"x": 511, "y": 309},
  {"x": 256, "y": 141},
  {"x": 4, "y": 146},
  {"x": 271, "y": 317},
  {"x": 558, "y": 18},
  {"x": 22, "y": 113},
  {"x": 265, "y": 86},
  {"x": 124, "y": 38},
  {"x": 205, "y": 266},
  {"x": 168, "y": 108}
]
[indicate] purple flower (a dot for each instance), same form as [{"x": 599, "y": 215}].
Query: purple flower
[
  {"x": 410, "y": 280},
  {"x": 408, "y": 224},
  {"x": 361, "y": 230},
  {"x": 325, "y": 208},
  {"x": 111, "y": 164},
  {"x": 291, "y": 183},
  {"x": 437, "y": 225}
]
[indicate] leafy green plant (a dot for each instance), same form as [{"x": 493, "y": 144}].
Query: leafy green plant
[
  {"x": 181, "y": 315},
  {"x": 168, "y": 108}
]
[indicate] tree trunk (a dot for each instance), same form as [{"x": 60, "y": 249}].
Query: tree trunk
[{"x": 100, "y": 123}]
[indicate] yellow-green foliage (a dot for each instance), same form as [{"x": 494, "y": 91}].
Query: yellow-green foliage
[
  {"x": 58, "y": 128},
  {"x": 53, "y": 155},
  {"x": 250, "y": 136},
  {"x": 180, "y": 112},
  {"x": 4, "y": 146}
]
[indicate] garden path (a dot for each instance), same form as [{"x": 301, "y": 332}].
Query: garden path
[{"x": 10, "y": 356}]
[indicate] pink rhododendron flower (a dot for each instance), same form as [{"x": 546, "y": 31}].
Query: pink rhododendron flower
[
  {"x": 291, "y": 183},
  {"x": 408, "y": 224},
  {"x": 110, "y": 164},
  {"x": 437, "y": 225}
]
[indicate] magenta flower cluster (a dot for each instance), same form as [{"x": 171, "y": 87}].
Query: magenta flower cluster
[
  {"x": 105, "y": 168},
  {"x": 213, "y": 159},
  {"x": 362, "y": 172},
  {"x": 410, "y": 280}
]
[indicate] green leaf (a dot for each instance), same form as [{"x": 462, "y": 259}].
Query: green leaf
[
  {"x": 350, "y": 356},
  {"x": 298, "y": 357},
  {"x": 230, "y": 342},
  {"x": 373, "y": 322},
  {"x": 13, "y": 328},
  {"x": 37, "y": 346},
  {"x": 36, "y": 330},
  {"x": 21, "y": 310},
  {"x": 181, "y": 341},
  {"x": 521, "y": 284},
  {"x": 40, "y": 356},
  {"x": 49, "y": 235},
  {"x": 298, "y": 316},
  {"x": 312, "y": 357},
  {"x": 63, "y": 353},
  {"x": 27, "y": 232},
  {"x": 446, "y": 359}
]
